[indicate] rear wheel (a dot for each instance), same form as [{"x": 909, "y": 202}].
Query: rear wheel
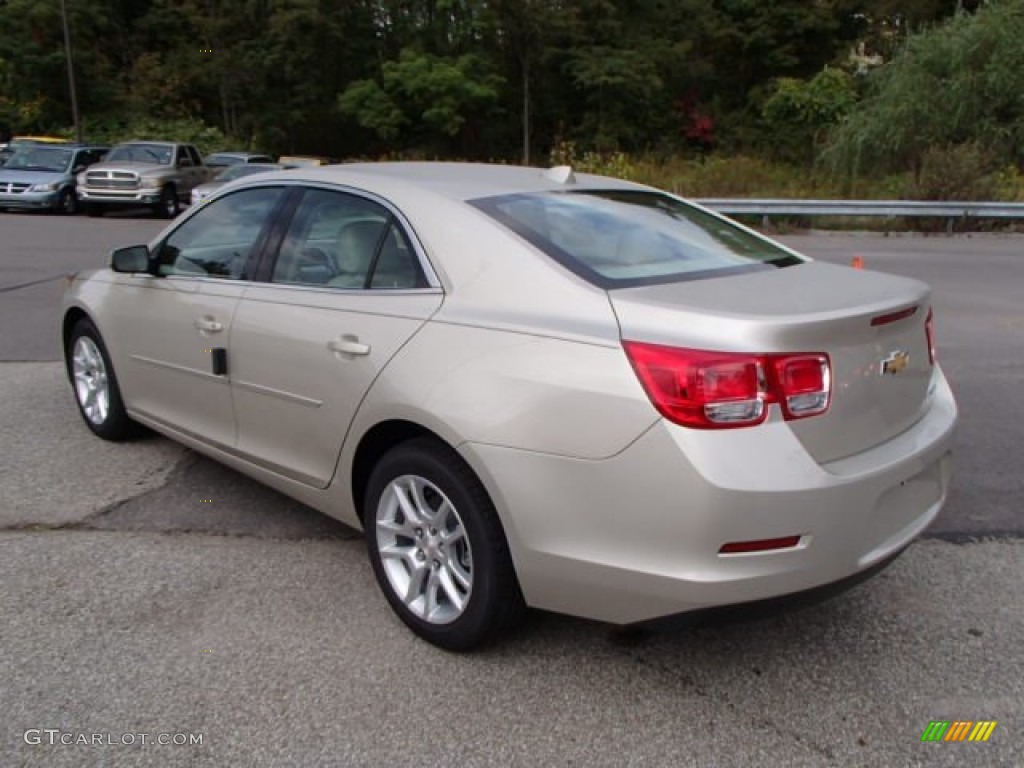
[
  {"x": 437, "y": 547},
  {"x": 168, "y": 206},
  {"x": 96, "y": 390}
]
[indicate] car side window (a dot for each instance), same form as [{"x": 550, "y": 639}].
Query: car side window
[
  {"x": 193, "y": 155},
  {"x": 218, "y": 240},
  {"x": 337, "y": 239},
  {"x": 397, "y": 263},
  {"x": 184, "y": 158}
]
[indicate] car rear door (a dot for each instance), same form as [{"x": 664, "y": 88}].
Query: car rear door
[
  {"x": 172, "y": 331},
  {"x": 347, "y": 289}
]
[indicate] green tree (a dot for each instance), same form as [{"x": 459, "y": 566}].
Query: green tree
[
  {"x": 958, "y": 83},
  {"x": 526, "y": 31},
  {"x": 799, "y": 113},
  {"x": 433, "y": 97}
]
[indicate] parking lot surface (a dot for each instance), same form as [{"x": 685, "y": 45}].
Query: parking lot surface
[{"x": 147, "y": 591}]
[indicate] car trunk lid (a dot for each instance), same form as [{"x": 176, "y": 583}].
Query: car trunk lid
[{"x": 871, "y": 325}]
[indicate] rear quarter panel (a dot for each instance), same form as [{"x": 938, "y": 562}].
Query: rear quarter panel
[{"x": 521, "y": 353}]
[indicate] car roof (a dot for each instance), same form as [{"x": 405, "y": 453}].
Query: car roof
[{"x": 455, "y": 181}]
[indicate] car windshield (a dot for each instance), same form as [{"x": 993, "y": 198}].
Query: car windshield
[
  {"x": 160, "y": 154},
  {"x": 39, "y": 159},
  {"x": 624, "y": 238},
  {"x": 238, "y": 171}
]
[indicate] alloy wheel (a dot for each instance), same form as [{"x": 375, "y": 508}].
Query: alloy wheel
[
  {"x": 92, "y": 387},
  {"x": 424, "y": 549}
]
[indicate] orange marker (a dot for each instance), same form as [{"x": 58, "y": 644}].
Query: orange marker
[{"x": 857, "y": 263}]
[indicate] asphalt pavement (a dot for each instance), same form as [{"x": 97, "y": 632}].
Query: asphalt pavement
[{"x": 146, "y": 592}]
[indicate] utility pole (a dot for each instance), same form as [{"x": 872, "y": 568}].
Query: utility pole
[{"x": 71, "y": 72}]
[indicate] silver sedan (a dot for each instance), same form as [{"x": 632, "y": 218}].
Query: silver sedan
[{"x": 530, "y": 388}]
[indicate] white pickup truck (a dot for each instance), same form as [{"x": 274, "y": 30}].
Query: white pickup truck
[{"x": 159, "y": 175}]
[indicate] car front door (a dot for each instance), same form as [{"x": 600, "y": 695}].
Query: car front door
[
  {"x": 346, "y": 291},
  {"x": 173, "y": 329}
]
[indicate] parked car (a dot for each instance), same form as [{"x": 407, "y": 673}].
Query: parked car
[
  {"x": 530, "y": 388},
  {"x": 158, "y": 175},
  {"x": 42, "y": 176},
  {"x": 8, "y": 148},
  {"x": 203, "y": 192},
  {"x": 222, "y": 159}
]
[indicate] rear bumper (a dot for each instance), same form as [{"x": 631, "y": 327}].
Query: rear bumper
[
  {"x": 769, "y": 606},
  {"x": 636, "y": 537}
]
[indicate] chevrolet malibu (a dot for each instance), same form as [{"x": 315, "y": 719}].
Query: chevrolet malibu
[{"x": 530, "y": 388}]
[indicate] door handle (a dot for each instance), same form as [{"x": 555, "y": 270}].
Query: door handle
[
  {"x": 348, "y": 345},
  {"x": 208, "y": 324}
]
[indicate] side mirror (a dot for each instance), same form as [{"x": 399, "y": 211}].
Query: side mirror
[
  {"x": 78, "y": 169},
  {"x": 133, "y": 259}
]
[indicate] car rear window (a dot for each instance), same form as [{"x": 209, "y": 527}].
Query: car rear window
[{"x": 626, "y": 238}]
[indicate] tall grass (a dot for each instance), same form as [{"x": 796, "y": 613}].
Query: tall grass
[{"x": 952, "y": 175}]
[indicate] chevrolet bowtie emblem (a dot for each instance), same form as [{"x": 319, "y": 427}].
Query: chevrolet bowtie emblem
[{"x": 896, "y": 363}]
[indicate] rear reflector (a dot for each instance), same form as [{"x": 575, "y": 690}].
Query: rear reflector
[
  {"x": 760, "y": 545},
  {"x": 892, "y": 317}
]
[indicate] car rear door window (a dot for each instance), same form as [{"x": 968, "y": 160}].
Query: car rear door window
[
  {"x": 218, "y": 241},
  {"x": 339, "y": 240}
]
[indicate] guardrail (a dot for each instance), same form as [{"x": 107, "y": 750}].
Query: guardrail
[{"x": 951, "y": 211}]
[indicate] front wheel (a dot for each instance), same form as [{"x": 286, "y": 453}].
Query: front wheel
[
  {"x": 437, "y": 547},
  {"x": 96, "y": 390},
  {"x": 168, "y": 207},
  {"x": 67, "y": 203}
]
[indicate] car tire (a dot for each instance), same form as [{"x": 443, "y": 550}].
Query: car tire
[
  {"x": 67, "y": 203},
  {"x": 437, "y": 547},
  {"x": 94, "y": 383},
  {"x": 92, "y": 210},
  {"x": 168, "y": 206}
]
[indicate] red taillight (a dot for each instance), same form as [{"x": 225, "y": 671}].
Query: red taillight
[
  {"x": 805, "y": 382},
  {"x": 929, "y": 331},
  {"x": 719, "y": 390}
]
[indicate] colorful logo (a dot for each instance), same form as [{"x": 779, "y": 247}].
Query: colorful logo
[{"x": 958, "y": 730}]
